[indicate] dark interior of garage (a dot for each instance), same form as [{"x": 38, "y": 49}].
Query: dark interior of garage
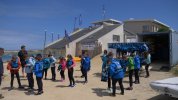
[{"x": 159, "y": 46}]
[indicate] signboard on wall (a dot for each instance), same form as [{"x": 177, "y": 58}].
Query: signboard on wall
[{"x": 87, "y": 47}]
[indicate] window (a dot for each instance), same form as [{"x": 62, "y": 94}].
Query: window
[
  {"x": 146, "y": 28},
  {"x": 116, "y": 38}
]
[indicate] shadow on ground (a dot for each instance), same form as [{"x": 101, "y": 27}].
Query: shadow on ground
[
  {"x": 97, "y": 74},
  {"x": 62, "y": 86},
  {"x": 162, "y": 97},
  {"x": 100, "y": 92},
  {"x": 10, "y": 89}
]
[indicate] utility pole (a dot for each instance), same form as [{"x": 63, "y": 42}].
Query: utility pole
[
  {"x": 58, "y": 36},
  {"x": 52, "y": 37},
  {"x": 44, "y": 42}
]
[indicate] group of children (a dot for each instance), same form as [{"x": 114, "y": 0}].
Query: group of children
[
  {"x": 115, "y": 69},
  {"x": 39, "y": 66}
]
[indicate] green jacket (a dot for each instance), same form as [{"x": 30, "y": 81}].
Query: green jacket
[{"x": 130, "y": 63}]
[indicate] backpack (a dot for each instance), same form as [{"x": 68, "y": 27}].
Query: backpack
[
  {"x": 69, "y": 63},
  {"x": 86, "y": 62},
  {"x": 46, "y": 63},
  {"x": 118, "y": 66},
  {"x": 118, "y": 71},
  {"x": 137, "y": 62},
  {"x": 14, "y": 64}
]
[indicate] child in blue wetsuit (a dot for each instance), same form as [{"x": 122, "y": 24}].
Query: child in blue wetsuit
[
  {"x": 38, "y": 70},
  {"x": 116, "y": 73},
  {"x": 86, "y": 65},
  {"x": 46, "y": 65},
  {"x": 104, "y": 73},
  {"x": 70, "y": 66},
  {"x": 137, "y": 68}
]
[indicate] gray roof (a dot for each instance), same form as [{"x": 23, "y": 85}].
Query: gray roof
[
  {"x": 94, "y": 37},
  {"x": 149, "y": 20},
  {"x": 112, "y": 21},
  {"x": 61, "y": 44}
]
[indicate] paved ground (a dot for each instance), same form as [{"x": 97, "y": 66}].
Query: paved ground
[{"x": 94, "y": 90}]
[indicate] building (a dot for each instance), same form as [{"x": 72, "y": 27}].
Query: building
[
  {"x": 94, "y": 39},
  {"x": 162, "y": 39}
]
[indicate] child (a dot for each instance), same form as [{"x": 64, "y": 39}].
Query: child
[
  {"x": 14, "y": 66},
  {"x": 137, "y": 68},
  {"x": 131, "y": 69},
  {"x": 86, "y": 66},
  {"x": 116, "y": 73},
  {"x": 104, "y": 76},
  {"x": 38, "y": 70},
  {"x": 70, "y": 66},
  {"x": 62, "y": 67},
  {"x": 30, "y": 62},
  {"x": 53, "y": 66},
  {"x": 148, "y": 62},
  {"x": 46, "y": 65}
]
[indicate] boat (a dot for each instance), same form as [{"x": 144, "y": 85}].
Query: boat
[{"x": 166, "y": 86}]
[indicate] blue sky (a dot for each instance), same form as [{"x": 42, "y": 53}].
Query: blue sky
[{"x": 24, "y": 21}]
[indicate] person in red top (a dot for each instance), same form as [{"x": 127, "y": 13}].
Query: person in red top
[
  {"x": 62, "y": 67},
  {"x": 14, "y": 66}
]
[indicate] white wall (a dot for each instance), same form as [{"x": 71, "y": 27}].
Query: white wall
[
  {"x": 108, "y": 38},
  {"x": 72, "y": 45}
]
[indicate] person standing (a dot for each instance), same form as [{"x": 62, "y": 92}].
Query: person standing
[
  {"x": 1, "y": 69},
  {"x": 53, "y": 66},
  {"x": 81, "y": 67},
  {"x": 70, "y": 66},
  {"x": 131, "y": 70},
  {"x": 137, "y": 68},
  {"x": 86, "y": 66},
  {"x": 30, "y": 62},
  {"x": 116, "y": 74},
  {"x": 21, "y": 55},
  {"x": 148, "y": 62},
  {"x": 104, "y": 74},
  {"x": 38, "y": 70},
  {"x": 46, "y": 65},
  {"x": 62, "y": 68},
  {"x": 14, "y": 66}
]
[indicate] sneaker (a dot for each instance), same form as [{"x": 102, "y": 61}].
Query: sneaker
[
  {"x": 38, "y": 93},
  {"x": 69, "y": 85},
  {"x": 122, "y": 93},
  {"x": 113, "y": 95},
  {"x": 21, "y": 87},
  {"x": 73, "y": 85},
  {"x": 109, "y": 90},
  {"x": 129, "y": 88},
  {"x": 85, "y": 82}
]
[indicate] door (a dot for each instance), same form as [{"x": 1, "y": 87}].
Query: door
[{"x": 173, "y": 48}]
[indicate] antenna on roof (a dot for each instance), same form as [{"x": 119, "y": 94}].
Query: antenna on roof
[
  {"x": 75, "y": 20},
  {"x": 104, "y": 11}
]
